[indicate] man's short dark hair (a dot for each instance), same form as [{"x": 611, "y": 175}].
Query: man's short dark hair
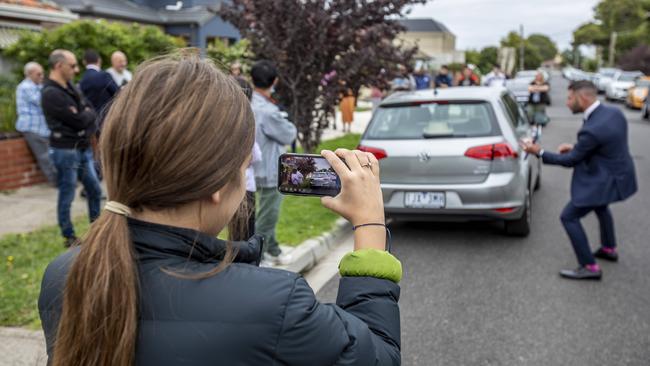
[
  {"x": 91, "y": 57},
  {"x": 444, "y": 67},
  {"x": 263, "y": 74},
  {"x": 55, "y": 57},
  {"x": 585, "y": 85},
  {"x": 498, "y": 66}
]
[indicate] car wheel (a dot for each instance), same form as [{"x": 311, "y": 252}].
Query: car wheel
[
  {"x": 521, "y": 227},
  {"x": 645, "y": 112}
]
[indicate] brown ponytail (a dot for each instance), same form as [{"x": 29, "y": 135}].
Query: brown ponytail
[
  {"x": 100, "y": 302},
  {"x": 176, "y": 134}
]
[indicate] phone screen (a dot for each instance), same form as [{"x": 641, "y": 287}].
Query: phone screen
[{"x": 307, "y": 175}]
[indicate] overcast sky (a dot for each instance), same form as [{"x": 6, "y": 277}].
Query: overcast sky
[{"x": 480, "y": 23}]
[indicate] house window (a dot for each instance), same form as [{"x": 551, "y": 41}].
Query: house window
[{"x": 226, "y": 41}]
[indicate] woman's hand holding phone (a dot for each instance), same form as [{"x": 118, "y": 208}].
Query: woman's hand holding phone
[{"x": 360, "y": 201}]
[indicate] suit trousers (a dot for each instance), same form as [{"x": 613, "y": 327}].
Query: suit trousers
[{"x": 570, "y": 218}]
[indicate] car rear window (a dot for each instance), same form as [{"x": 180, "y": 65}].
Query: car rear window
[
  {"x": 628, "y": 77},
  {"x": 432, "y": 120}
]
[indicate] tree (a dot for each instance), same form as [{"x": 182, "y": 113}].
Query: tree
[
  {"x": 546, "y": 47},
  {"x": 590, "y": 34},
  {"x": 484, "y": 59},
  {"x": 473, "y": 57},
  {"x": 306, "y": 166},
  {"x": 136, "y": 41},
  {"x": 637, "y": 58},
  {"x": 571, "y": 57},
  {"x": 224, "y": 54},
  {"x": 621, "y": 15},
  {"x": 7, "y": 103},
  {"x": 628, "y": 18},
  {"x": 532, "y": 57},
  {"x": 318, "y": 44},
  {"x": 489, "y": 57}
]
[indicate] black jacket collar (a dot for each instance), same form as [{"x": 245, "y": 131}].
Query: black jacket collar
[
  {"x": 50, "y": 82},
  {"x": 154, "y": 241}
]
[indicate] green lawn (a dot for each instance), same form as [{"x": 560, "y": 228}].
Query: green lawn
[{"x": 25, "y": 256}]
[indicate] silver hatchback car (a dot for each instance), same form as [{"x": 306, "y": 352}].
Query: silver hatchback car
[{"x": 454, "y": 154}]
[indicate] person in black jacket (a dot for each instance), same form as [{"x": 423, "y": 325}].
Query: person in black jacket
[
  {"x": 97, "y": 85},
  {"x": 152, "y": 285},
  {"x": 72, "y": 122}
]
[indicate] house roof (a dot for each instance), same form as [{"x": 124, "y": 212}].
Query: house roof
[
  {"x": 128, "y": 10},
  {"x": 27, "y": 14},
  {"x": 39, "y": 4},
  {"x": 423, "y": 25},
  {"x": 19, "y": 16}
]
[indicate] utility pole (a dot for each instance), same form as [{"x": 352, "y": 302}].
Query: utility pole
[
  {"x": 612, "y": 48},
  {"x": 521, "y": 47}
]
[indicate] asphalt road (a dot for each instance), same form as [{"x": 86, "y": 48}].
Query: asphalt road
[{"x": 472, "y": 296}]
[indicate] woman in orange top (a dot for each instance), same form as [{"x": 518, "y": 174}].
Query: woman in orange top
[{"x": 347, "y": 110}]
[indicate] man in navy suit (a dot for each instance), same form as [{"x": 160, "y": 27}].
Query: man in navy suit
[
  {"x": 603, "y": 173},
  {"x": 97, "y": 85}
]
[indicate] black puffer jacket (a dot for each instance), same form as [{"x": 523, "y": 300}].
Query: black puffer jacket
[{"x": 245, "y": 315}]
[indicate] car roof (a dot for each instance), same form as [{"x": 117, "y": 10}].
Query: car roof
[{"x": 487, "y": 93}]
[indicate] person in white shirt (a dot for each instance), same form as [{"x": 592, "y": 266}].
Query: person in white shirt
[
  {"x": 296, "y": 177},
  {"x": 496, "y": 77},
  {"x": 118, "y": 69}
]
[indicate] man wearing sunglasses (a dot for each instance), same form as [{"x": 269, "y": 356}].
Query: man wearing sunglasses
[{"x": 71, "y": 120}]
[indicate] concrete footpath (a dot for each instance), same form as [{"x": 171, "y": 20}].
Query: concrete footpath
[
  {"x": 30, "y": 208},
  {"x": 361, "y": 120}
]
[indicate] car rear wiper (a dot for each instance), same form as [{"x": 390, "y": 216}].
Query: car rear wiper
[{"x": 439, "y": 135}]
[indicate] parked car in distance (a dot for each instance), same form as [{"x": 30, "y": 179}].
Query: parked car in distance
[
  {"x": 604, "y": 77},
  {"x": 622, "y": 81},
  {"x": 568, "y": 71},
  {"x": 637, "y": 94},
  {"x": 323, "y": 179},
  {"x": 455, "y": 155}
]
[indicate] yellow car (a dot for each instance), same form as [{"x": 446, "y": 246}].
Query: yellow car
[{"x": 636, "y": 95}]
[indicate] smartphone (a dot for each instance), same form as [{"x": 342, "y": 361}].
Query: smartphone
[{"x": 307, "y": 175}]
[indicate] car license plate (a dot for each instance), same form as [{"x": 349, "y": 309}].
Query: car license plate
[{"x": 424, "y": 199}]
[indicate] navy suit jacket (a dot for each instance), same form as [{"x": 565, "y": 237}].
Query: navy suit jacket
[
  {"x": 603, "y": 170},
  {"x": 98, "y": 87}
]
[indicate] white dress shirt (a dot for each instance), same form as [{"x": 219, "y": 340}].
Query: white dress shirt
[{"x": 591, "y": 109}]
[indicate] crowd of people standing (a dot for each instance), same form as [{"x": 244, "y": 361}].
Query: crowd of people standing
[{"x": 61, "y": 121}]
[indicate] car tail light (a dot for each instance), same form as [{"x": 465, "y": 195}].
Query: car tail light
[
  {"x": 378, "y": 153},
  {"x": 493, "y": 151},
  {"x": 505, "y": 209}
]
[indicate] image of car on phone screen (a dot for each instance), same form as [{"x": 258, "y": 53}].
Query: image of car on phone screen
[{"x": 304, "y": 174}]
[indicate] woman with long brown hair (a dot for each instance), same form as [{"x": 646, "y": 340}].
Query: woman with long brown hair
[{"x": 151, "y": 284}]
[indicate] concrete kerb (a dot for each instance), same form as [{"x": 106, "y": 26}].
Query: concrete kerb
[
  {"x": 308, "y": 253},
  {"x": 22, "y": 347}
]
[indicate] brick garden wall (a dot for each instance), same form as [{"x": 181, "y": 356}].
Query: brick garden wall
[{"x": 18, "y": 167}]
